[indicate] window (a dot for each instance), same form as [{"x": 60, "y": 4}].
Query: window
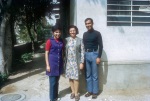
[{"x": 128, "y": 12}]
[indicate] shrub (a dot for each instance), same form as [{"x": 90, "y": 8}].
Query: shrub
[
  {"x": 27, "y": 57},
  {"x": 3, "y": 78}
]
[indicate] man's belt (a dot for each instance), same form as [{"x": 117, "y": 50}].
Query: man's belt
[{"x": 90, "y": 50}]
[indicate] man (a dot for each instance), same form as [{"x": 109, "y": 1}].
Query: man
[{"x": 93, "y": 50}]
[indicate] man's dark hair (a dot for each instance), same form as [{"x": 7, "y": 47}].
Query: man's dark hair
[
  {"x": 89, "y": 19},
  {"x": 56, "y": 27},
  {"x": 75, "y": 27}
]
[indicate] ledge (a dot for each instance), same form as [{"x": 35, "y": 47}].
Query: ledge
[{"x": 103, "y": 63}]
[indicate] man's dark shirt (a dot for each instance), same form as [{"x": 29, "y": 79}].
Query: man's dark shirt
[{"x": 92, "y": 39}]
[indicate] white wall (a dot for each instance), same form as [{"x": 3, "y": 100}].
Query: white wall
[{"x": 122, "y": 43}]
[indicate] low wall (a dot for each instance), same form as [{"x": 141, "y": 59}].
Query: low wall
[
  {"x": 25, "y": 48},
  {"x": 127, "y": 76},
  {"x": 22, "y": 49},
  {"x": 121, "y": 76}
]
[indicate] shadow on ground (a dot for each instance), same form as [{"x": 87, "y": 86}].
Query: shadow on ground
[
  {"x": 64, "y": 92},
  {"x": 36, "y": 66}
]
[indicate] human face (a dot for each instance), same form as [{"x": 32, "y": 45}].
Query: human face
[
  {"x": 72, "y": 32},
  {"x": 57, "y": 34},
  {"x": 89, "y": 24}
]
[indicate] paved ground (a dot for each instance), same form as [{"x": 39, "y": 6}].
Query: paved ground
[{"x": 32, "y": 81}]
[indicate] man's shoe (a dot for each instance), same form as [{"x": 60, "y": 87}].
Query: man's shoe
[
  {"x": 88, "y": 94},
  {"x": 94, "y": 96}
]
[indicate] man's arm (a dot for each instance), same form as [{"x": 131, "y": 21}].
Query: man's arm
[
  {"x": 100, "y": 44},
  {"x": 84, "y": 38}
]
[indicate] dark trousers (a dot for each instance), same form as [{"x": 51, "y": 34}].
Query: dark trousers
[{"x": 54, "y": 83}]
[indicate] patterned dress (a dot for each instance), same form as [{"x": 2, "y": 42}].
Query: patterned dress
[{"x": 72, "y": 70}]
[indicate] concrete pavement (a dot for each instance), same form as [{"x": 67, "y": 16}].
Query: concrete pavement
[
  {"x": 36, "y": 89},
  {"x": 33, "y": 83}
]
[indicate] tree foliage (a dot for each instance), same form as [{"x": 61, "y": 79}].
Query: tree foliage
[{"x": 28, "y": 12}]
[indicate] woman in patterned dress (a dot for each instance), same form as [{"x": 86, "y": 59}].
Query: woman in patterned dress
[{"x": 74, "y": 58}]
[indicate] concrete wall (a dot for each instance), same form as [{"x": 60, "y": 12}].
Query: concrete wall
[
  {"x": 126, "y": 54},
  {"x": 73, "y": 13}
]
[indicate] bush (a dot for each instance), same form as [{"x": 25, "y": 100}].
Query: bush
[
  {"x": 27, "y": 57},
  {"x": 3, "y": 78}
]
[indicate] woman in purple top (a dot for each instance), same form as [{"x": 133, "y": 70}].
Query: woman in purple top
[{"x": 54, "y": 61}]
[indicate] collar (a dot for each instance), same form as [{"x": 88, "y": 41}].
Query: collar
[
  {"x": 57, "y": 40},
  {"x": 73, "y": 38},
  {"x": 90, "y": 30}
]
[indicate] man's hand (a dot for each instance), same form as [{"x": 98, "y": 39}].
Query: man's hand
[
  {"x": 48, "y": 68},
  {"x": 98, "y": 60},
  {"x": 81, "y": 66}
]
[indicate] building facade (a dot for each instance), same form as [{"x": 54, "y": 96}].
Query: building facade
[{"x": 124, "y": 26}]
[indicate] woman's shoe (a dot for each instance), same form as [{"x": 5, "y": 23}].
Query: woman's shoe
[
  {"x": 77, "y": 98},
  {"x": 58, "y": 99},
  {"x": 72, "y": 96}
]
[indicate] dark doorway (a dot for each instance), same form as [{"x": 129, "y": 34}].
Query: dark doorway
[{"x": 64, "y": 16}]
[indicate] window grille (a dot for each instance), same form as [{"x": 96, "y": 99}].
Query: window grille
[{"x": 128, "y": 12}]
